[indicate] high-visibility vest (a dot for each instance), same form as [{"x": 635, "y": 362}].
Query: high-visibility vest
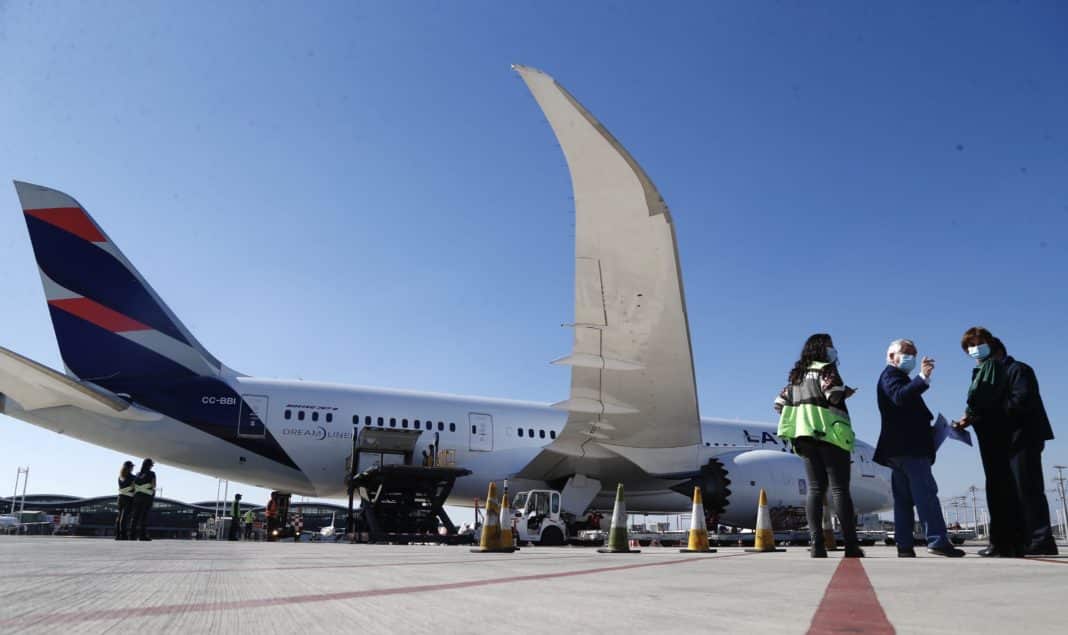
[
  {"x": 147, "y": 487},
  {"x": 808, "y": 412},
  {"x": 128, "y": 489}
]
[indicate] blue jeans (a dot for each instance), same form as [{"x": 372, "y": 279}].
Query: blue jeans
[{"x": 914, "y": 486}]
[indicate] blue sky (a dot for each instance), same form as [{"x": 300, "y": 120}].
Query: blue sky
[{"x": 364, "y": 193}]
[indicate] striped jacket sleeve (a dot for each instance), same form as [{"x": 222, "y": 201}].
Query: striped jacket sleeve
[
  {"x": 782, "y": 400},
  {"x": 833, "y": 386}
]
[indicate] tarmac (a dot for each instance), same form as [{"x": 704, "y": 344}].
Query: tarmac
[{"x": 85, "y": 585}]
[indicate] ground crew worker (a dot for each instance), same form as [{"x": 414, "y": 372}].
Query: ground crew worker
[
  {"x": 813, "y": 414},
  {"x": 144, "y": 494},
  {"x": 125, "y": 501},
  {"x": 272, "y": 515},
  {"x": 235, "y": 518},
  {"x": 249, "y": 519}
]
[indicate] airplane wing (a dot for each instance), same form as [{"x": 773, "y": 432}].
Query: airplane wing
[
  {"x": 633, "y": 393},
  {"x": 36, "y": 387}
]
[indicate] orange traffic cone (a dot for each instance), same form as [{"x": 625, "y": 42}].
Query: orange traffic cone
[
  {"x": 698, "y": 542},
  {"x": 765, "y": 535},
  {"x": 491, "y": 530},
  {"x": 617, "y": 535}
]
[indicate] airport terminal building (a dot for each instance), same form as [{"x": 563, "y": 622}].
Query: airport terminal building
[{"x": 71, "y": 515}]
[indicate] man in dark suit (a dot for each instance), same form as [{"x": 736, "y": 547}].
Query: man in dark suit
[
  {"x": 1030, "y": 431},
  {"x": 906, "y": 446}
]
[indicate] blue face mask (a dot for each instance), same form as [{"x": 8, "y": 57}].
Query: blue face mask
[
  {"x": 907, "y": 363},
  {"x": 980, "y": 352},
  {"x": 832, "y": 355}
]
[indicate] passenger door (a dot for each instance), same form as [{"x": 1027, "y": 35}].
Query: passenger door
[
  {"x": 253, "y": 414},
  {"x": 480, "y": 429}
]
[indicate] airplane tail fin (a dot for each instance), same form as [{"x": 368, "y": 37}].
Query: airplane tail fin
[{"x": 112, "y": 328}]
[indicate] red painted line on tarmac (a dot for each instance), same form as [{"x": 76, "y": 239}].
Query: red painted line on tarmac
[
  {"x": 850, "y": 605},
  {"x": 201, "y": 607},
  {"x": 1050, "y": 560}
]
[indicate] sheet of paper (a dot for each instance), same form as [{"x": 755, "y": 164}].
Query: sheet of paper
[
  {"x": 943, "y": 430},
  {"x": 940, "y": 431},
  {"x": 960, "y": 434}
]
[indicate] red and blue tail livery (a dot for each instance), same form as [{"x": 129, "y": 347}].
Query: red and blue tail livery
[{"x": 115, "y": 332}]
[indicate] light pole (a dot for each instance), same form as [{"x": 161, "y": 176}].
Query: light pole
[
  {"x": 1060, "y": 486},
  {"x": 23, "y": 476},
  {"x": 975, "y": 511}
]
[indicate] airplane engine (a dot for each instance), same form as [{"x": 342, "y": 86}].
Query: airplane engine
[{"x": 731, "y": 483}]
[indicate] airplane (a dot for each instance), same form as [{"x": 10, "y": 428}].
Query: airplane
[
  {"x": 139, "y": 382},
  {"x": 329, "y": 531}
]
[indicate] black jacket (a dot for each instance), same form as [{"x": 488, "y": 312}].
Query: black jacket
[
  {"x": 906, "y": 421},
  {"x": 1023, "y": 405},
  {"x": 144, "y": 478}
]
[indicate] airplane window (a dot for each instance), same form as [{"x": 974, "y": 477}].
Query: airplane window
[
  {"x": 288, "y": 414},
  {"x": 452, "y": 427},
  {"x": 329, "y": 417},
  {"x": 541, "y": 434},
  {"x": 355, "y": 420},
  {"x": 392, "y": 422},
  {"x": 416, "y": 424},
  {"x": 552, "y": 434},
  {"x": 367, "y": 421},
  {"x": 300, "y": 415},
  {"x": 404, "y": 423},
  {"x": 429, "y": 425},
  {"x": 381, "y": 422},
  {"x": 474, "y": 430},
  {"x": 315, "y": 416},
  {"x": 520, "y": 430},
  {"x": 441, "y": 426},
  {"x": 530, "y": 433}
]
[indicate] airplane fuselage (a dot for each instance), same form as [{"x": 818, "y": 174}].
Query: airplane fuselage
[{"x": 314, "y": 423}]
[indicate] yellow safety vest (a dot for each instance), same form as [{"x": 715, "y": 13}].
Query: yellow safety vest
[{"x": 145, "y": 488}]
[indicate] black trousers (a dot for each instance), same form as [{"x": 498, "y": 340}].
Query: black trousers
[
  {"x": 1006, "y": 528},
  {"x": 1026, "y": 466},
  {"x": 122, "y": 521},
  {"x": 827, "y": 465},
  {"x": 139, "y": 526}
]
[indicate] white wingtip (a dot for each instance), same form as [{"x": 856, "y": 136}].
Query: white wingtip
[{"x": 528, "y": 70}]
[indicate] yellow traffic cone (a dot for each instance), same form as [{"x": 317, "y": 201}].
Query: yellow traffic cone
[
  {"x": 829, "y": 541},
  {"x": 698, "y": 530},
  {"x": 617, "y": 534},
  {"x": 765, "y": 535},
  {"x": 506, "y": 542},
  {"x": 491, "y": 530}
]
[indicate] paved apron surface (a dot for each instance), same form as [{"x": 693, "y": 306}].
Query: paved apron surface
[{"x": 95, "y": 586}]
